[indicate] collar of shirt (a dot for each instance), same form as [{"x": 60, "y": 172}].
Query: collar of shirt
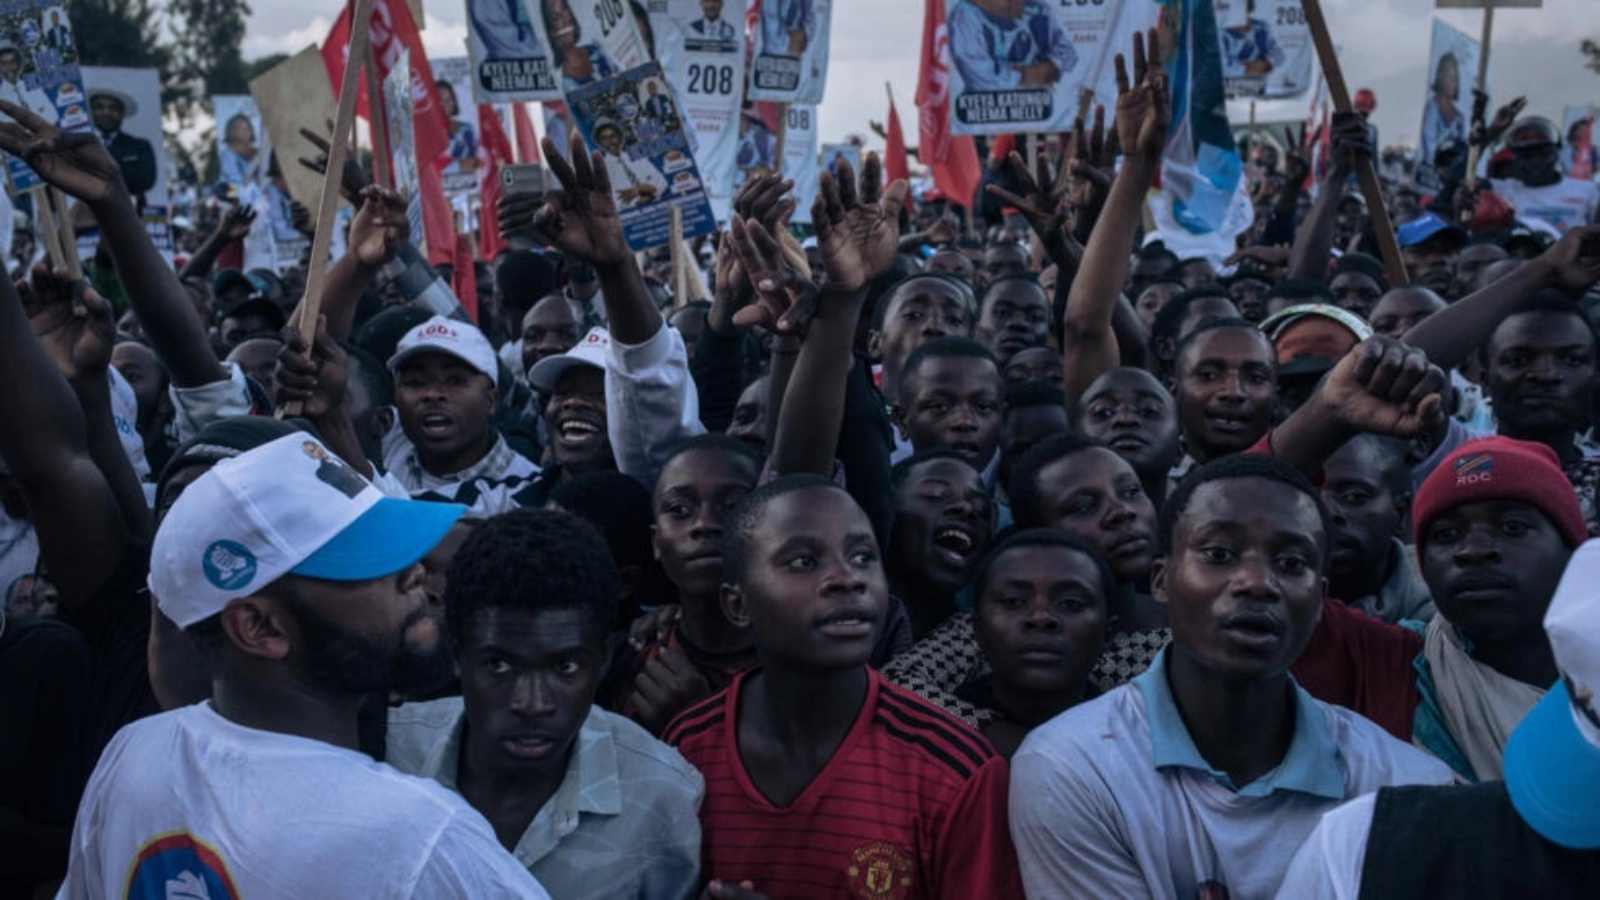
[
  {"x": 591, "y": 785},
  {"x": 1311, "y": 766},
  {"x": 493, "y": 466}
]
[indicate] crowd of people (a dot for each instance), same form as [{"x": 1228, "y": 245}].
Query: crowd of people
[{"x": 1013, "y": 556}]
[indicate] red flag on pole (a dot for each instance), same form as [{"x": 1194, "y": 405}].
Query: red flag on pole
[
  {"x": 1583, "y": 152},
  {"x": 394, "y": 31},
  {"x": 494, "y": 149},
  {"x": 438, "y": 221},
  {"x": 527, "y": 141},
  {"x": 953, "y": 160},
  {"x": 894, "y": 150},
  {"x": 463, "y": 277}
]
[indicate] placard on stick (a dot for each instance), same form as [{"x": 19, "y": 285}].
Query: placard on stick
[{"x": 292, "y": 95}]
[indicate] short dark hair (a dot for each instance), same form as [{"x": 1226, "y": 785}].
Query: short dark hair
[
  {"x": 617, "y": 505},
  {"x": 372, "y": 373},
  {"x": 1232, "y": 468},
  {"x": 880, "y": 312},
  {"x": 712, "y": 441},
  {"x": 1170, "y": 318},
  {"x": 942, "y": 347},
  {"x": 1548, "y": 301},
  {"x": 533, "y": 560},
  {"x": 1034, "y": 393},
  {"x": 1025, "y": 277},
  {"x": 744, "y": 518},
  {"x": 1303, "y": 290},
  {"x": 1023, "y": 488},
  {"x": 1045, "y": 537},
  {"x": 1210, "y": 325},
  {"x": 1394, "y": 466},
  {"x": 1157, "y": 253},
  {"x": 901, "y": 471}
]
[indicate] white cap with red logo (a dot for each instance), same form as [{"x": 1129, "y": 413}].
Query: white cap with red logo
[
  {"x": 591, "y": 351},
  {"x": 441, "y": 335}
]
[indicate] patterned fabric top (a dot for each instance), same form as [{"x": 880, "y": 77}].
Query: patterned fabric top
[{"x": 949, "y": 657}]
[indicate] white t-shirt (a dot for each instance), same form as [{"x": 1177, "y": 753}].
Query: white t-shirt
[
  {"x": 187, "y": 804},
  {"x": 1093, "y": 815},
  {"x": 1568, "y": 203},
  {"x": 1328, "y": 866}
]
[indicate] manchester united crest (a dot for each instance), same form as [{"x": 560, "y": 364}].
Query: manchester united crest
[{"x": 879, "y": 871}]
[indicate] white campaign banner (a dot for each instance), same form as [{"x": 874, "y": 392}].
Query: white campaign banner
[
  {"x": 790, "y": 55},
  {"x": 701, "y": 49}
]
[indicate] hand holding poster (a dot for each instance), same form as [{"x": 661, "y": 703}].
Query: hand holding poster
[
  {"x": 39, "y": 71},
  {"x": 589, "y": 41},
  {"x": 510, "y": 57},
  {"x": 1266, "y": 47},
  {"x": 646, "y": 154},
  {"x": 791, "y": 50}
]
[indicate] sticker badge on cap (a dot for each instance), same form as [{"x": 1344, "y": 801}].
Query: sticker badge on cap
[
  {"x": 228, "y": 566},
  {"x": 1473, "y": 469}
]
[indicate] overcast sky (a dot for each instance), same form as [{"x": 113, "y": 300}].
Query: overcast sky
[{"x": 1383, "y": 45}]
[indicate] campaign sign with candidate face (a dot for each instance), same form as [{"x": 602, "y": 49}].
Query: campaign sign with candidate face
[
  {"x": 39, "y": 72},
  {"x": 510, "y": 58}
]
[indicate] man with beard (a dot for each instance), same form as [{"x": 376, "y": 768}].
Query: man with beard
[{"x": 303, "y": 587}]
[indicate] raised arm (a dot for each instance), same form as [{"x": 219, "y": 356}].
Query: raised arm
[
  {"x": 79, "y": 165},
  {"x": 234, "y": 226},
  {"x": 1450, "y": 334},
  {"x": 83, "y": 535},
  {"x": 377, "y": 233},
  {"x": 1309, "y": 257},
  {"x": 1088, "y": 342}
]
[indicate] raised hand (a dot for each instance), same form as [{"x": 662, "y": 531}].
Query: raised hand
[
  {"x": 77, "y": 162},
  {"x": 1090, "y": 164},
  {"x": 765, "y": 198},
  {"x": 1385, "y": 386},
  {"x": 352, "y": 180},
  {"x": 1574, "y": 261},
  {"x": 301, "y": 220},
  {"x": 785, "y": 301},
  {"x": 664, "y": 687},
  {"x": 236, "y": 222},
  {"x": 1503, "y": 119},
  {"x": 1351, "y": 141},
  {"x": 1143, "y": 107},
  {"x": 581, "y": 218},
  {"x": 380, "y": 226},
  {"x": 314, "y": 375},
  {"x": 72, "y": 322},
  {"x": 858, "y": 225}
]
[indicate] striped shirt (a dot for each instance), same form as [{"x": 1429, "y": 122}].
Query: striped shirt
[{"x": 912, "y": 805}]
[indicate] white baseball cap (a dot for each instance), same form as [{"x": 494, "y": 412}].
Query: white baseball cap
[
  {"x": 287, "y": 507},
  {"x": 1552, "y": 760},
  {"x": 591, "y": 351},
  {"x": 462, "y": 340}
]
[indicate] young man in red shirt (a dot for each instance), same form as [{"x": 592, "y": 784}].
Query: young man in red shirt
[{"x": 822, "y": 779}]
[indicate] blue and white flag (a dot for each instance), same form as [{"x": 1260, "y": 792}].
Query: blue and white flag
[{"x": 1204, "y": 202}]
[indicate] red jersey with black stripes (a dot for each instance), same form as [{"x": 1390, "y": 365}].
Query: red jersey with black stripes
[{"x": 912, "y": 805}]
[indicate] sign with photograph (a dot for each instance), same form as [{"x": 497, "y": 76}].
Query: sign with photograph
[
  {"x": 39, "y": 72},
  {"x": 510, "y": 58},
  {"x": 790, "y": 59},
  {"x": 452, "y": 76}
]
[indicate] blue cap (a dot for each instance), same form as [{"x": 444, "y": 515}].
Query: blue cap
[
  {"x": 1553, "y": 773},
  {"x": 1427, "y": 226},
  {"x": 390, "y": 536}
]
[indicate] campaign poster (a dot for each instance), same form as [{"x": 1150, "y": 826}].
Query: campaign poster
[
  {"x": 401, "y": 131},
  {"x": 39, "y": 72},
  {"x": 1028, "y": 66},
  {"x": 251, "y": 176},
  {"x": 800, "y": 157},
  {"x": 589, "y": 40},
  {"x": 1579, "y": 158},
  {"x": 1447, "y": 111},
  {"x": 452, "y": 76},
  {"x": 790, "y": 56},
  {"x": 125, "y": 105},
  {"x": 701, "y": 47},
  {"x": 832, "y": 153},
  {"x": 645, "y": 152},
  {"x": 1266, "y": 48},
  {"x": 510, "y": 59}
]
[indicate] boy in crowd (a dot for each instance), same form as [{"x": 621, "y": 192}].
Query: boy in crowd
[
  {"x": 822, "y": 778},
  {"x": 589, "y": 802},
  {"x": 1201, "y": 776}
]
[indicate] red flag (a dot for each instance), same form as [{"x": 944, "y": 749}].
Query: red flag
[
  {"x": 527, "y": 141},
  {"x": 894, "y": 150},
  {"x": 393, "y": 32},
  {"x": 953, "y": 160},
  {"x": 494, "y": 149},
  {"x": 438, "y": 221}
]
